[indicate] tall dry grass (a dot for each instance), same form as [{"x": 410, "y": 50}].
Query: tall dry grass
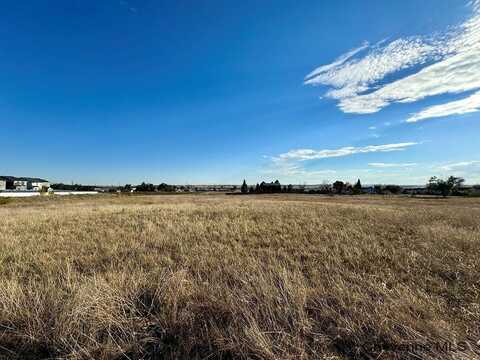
[{"x": 265, "y": 277}]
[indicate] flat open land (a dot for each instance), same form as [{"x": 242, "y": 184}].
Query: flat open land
[{"x": 262, "y": 277}]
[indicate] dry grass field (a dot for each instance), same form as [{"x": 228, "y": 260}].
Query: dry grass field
[{"x": 261, "y": 277}]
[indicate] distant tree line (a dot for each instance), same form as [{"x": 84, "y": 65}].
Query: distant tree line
[
  {"x": 338, "y": 187},
  {"x": 72, "y": 187},
  {"x": 144, "y": 187},
  {"x": 263, "y": 188},
  {"x": 435, "y": 186}
]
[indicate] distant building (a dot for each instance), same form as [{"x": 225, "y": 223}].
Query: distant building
[
  {"x": 8, "y": 182},
  {"x": 23, "y": 183},
  {"x": 39, "y": 184}
]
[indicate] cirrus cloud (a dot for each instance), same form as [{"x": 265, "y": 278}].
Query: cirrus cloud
[
  {"x": 444, "y": 64},
  {"x": 309, "y": 154},
  {"x": 468, "y": 105},
  {"x": 292, "y": 162},
  {"x": 462, "y": 165},
  {"x": 391, "y": 165}
]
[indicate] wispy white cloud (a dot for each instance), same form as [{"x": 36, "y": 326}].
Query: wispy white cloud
[
  {"x": 309, "y": 154},
  {"x": 372, "y": 127},
  {"x": 468, "y": 169},
  {"x": 339, "y": 61},
  {"x": 294, "y": 171},
  {"x": 462, "y": 165},
  {"x": 391, "y": 165},
  {"x": 475, "y": 4},
  {"x": 292, "y": 163},
  {"x": 468, "y": 105},
  {"x": 449, "y": 64}
]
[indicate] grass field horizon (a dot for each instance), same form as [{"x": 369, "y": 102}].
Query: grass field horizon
[{"x": 219, "y": 277}]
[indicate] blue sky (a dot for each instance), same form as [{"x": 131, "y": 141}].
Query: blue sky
[{"x": 115, "y": 92}]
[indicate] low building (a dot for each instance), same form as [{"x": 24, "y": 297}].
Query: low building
[
  {"x": 8, "y": 182},
  {"x": 40, "y": 184},
  {"x": 22, "y": 185}
]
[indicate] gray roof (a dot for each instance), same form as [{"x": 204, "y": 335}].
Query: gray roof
[{"x": 13, "y": 178}]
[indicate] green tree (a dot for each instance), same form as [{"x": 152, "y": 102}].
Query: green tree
[
  {"x": 456, "y": 183},
  {"x": 165, "y": 188},
  {"x": 444, "y": 187},
  {"x": 244, "y": 187},
  {"x": 357, "y": 188},
  {"x": 276, "y": 187},
  {"x": 338, "y": 186}
]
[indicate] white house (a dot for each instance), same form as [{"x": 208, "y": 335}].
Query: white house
[
  {"x": 22, "y": 185},
  {"x": 39, "y": 184}
]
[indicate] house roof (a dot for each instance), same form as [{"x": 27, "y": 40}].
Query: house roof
[{"x": 13, "y": 178}]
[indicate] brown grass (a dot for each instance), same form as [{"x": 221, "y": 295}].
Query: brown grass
[
  {"x": 262, "y": 277},
  {"x": 4, "y": 201}
]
